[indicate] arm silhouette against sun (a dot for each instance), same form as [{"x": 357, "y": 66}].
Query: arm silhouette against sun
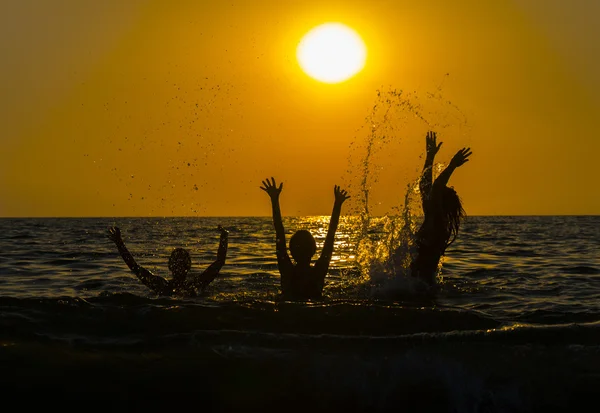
[
  {"x": 426, "y": 180},
  {"x": 460, "y": 158},
  {"x": 155, "y": 283},
  {"x": 325, "y": 259},
  {"x": 201, "y": 281},
  {"x": 283, "y": 259}
]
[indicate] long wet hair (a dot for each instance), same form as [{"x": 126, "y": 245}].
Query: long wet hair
[{"x": 453, "y": 213}]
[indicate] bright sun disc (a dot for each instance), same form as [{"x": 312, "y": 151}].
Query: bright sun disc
[{"x": 331, "y": 53}]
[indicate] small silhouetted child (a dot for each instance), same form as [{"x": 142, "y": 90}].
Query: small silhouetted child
[
  {"x": 301, "y": 281},
  {"x": 180, "y": 264}
]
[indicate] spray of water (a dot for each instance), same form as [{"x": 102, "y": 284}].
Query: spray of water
[{"x": 385, "y": 246}]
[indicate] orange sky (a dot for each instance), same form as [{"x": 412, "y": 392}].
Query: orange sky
[{"x": 105, "y": 104}]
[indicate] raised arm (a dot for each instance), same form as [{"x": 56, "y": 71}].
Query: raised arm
[
  {"x": 273, "y": 190},
  {"x": 325, "y": 258},
  {"x": 461, "y": 157},
  {"x": 426, "y": 180},
  {"x": 154, "y": 282},
  {"x": 202, "y": 280}
]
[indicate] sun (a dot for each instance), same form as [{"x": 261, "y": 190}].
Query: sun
[{"x": 331, "y": 53}]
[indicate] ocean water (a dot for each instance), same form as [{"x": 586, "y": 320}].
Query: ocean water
[{"x": 514, "y": 326}]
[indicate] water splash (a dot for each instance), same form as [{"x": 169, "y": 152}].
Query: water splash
[{"x": 385, "y": 246}]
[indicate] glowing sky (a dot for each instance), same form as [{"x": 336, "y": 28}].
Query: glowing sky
[{"x": 160, "y": 108}]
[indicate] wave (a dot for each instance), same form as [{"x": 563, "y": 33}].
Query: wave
[
  {"x": 581, "y": 269},
  {"x": 145, "y": 353},
  {"x": 124, "y": 317},
  {"x": 246, "y": 371}
]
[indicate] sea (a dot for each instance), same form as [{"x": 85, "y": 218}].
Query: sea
[{"x": 514, "y": 325}]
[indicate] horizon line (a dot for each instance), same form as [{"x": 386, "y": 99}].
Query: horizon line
[{"x": 270, "y": 216}]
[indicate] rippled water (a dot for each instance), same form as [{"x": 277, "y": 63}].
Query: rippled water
[
  {"x": 518, "y": 312},
  {"x": 530, "y": 269}
]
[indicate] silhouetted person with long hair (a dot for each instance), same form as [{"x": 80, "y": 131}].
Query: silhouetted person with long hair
[
  {"x": 301, "y": 281},
  {"x": 442, "y": 210},
  {"x": 180, "y": 265}
]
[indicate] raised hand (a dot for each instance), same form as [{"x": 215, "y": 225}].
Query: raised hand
[
  {"x": 340, "y": 194},
  {"x": 271, "y": 188},
  {"x": 431, "y": 143},
  {"x": 461, "y": 157},
  {"x": 221, "y": 229},
  {"x": 114, "y": 234}
]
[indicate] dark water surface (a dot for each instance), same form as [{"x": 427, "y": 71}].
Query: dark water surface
[{"x": 514, "y": 327}]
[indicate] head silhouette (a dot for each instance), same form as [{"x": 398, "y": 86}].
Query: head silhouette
[
  {"x": 180, "y": 262},
  {"x": 302, "y": 246},
  {"x": 453, "y": 212}
]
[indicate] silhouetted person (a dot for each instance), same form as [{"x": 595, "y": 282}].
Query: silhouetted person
[
  {"x": 301, "y": 281},
  {"x": 180, "y": 264},
  {"x": 443, "y": 212}
]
